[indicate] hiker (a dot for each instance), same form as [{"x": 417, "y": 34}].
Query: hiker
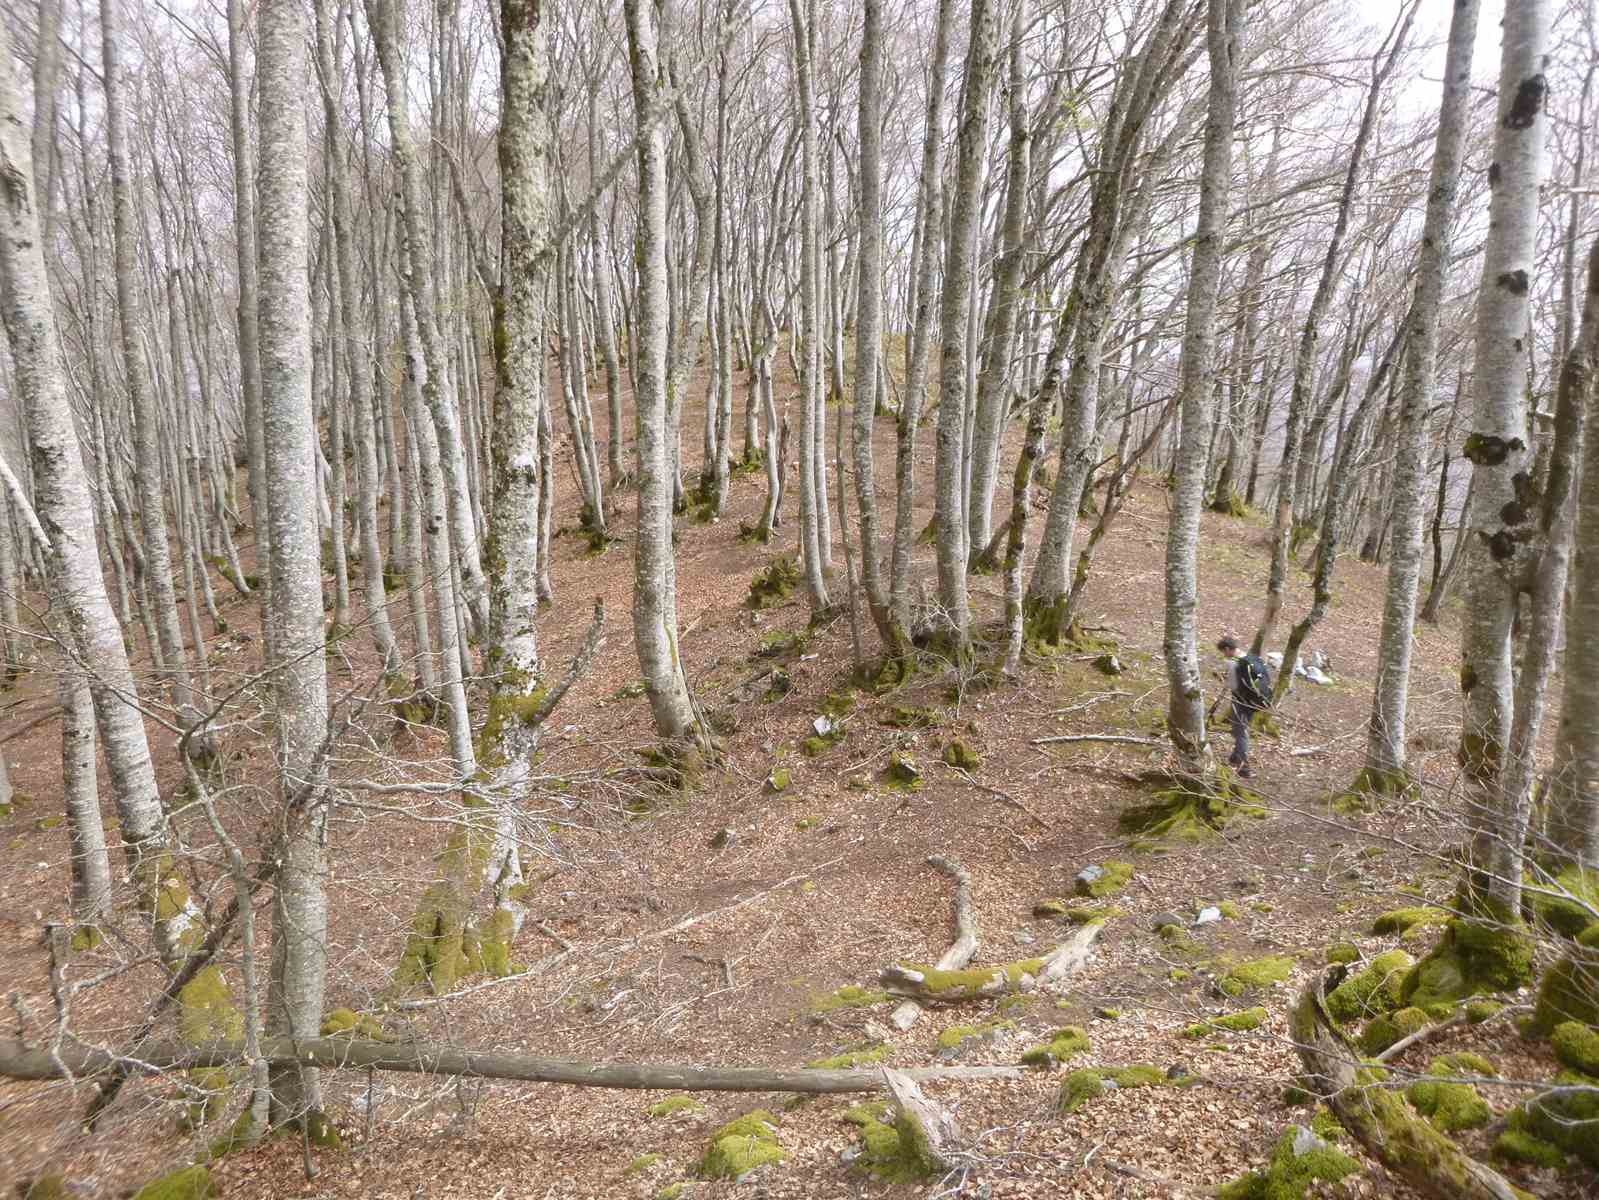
[{"x": 1249, "y": 690}]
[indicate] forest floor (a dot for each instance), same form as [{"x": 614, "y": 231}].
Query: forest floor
[{"x": 812, "y": 889}]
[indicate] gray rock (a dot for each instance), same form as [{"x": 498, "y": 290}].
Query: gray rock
[
  {"x": 1090, "y": 875},
  {"x": 1306, "y": 1141},
  {"x": 1161, "y": 919}
]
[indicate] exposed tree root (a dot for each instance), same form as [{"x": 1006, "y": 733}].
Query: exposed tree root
[
  {"x": 965, "y": 944},
  {"x": 1381, "y": 1121},
  {"x": 932, "y": 985}
]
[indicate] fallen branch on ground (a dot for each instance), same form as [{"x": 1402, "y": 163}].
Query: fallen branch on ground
[
  {"x": 19, "y": 1061},
  {"x": 961, "y": 950},
  {"x": 1383, "y": 1123},
  {"x": 1118, "y": 738},
  {"x": 935, "y": 1139},
  {"x": 930, "y": 984}
]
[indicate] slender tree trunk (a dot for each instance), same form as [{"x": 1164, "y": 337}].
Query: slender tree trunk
[
  {"x": 91, "y": 866},
  {"x": 949, "y": 509},
  {"x": 1385, "y": 739},
  {"x": 1186, "y": 703},
  {"x": 419, "y": 272},
  {"x": 65, "y": 510},
  {"x": 1502, "y": 512},
  {"x": 299, "y": 908},
  {"x": 924, "y": 261},
  {"x": 150, "y": 477},
  {"x": 655, "y": 572}
]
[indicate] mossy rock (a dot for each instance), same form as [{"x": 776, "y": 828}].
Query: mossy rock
[
  {"x": 1519, "y": 1146},
  {"x": 1569, "y": 1120},
  {"x": 838, "y": 704},
  {"x": 1382, "y": 1032},
  {"x": 1177, "y": 939},
  {"x": 1066, "y": 1042},
  {"x": 1087, "y": 914},
  {"x": 1402, "y": 920},
  {"x": 1462, "y": 1062},
  {"x": 742, "y": 1146},
  {"x": 902, "y": 772},
  {"x": 1471, "y": 958},
  {"x": 1570, "y": 988},
  {"x": 955, "y": 1040},
  {"x": 1300, "y": 1158},
  {"x": 1256, "y": 974},
  {"x": 861, "y": 1056},
  {"x": 1077, "y": 1089},
  {"x": 850, "y": 996},
  {"x": 1238, "y": 1022},
  {"x": 673, "y": 1106},
  {"x": 1105, "y": 879},
  {"x": 960, "y": 755},
  {"x": 882, "y": 1155},
  {"x": 1577, "y": 1046},
  {"x": 206, "y": 1012},
  {"x": 1187, "y": 813},
  {"x": 774, "y": 584},
  {"x": 780, "y": 644},
  {"x": 348, "y": 1022},
  {"x": 1371, "y": 992},
  {"x": 1566, "y": 915},
  {"x": 1343, "y": 952},
  {"x": 186, "y": 1183},
  {"x": 905, "y": 716},
  {"x": 1451, "y": 1107},
  {"x": 1051, "y": 908},
  {"x": 778, "y": 781},
  {"x": 1478, "y": 1011}
]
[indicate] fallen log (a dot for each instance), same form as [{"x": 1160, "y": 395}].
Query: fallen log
[
  {"x": 1118, "y": 739},
  {"x": 961, "y": 950},
  {"x": 932, "y": 1137},
  {"x": 1378, "y": 1119},
  {"x": 931, "y": 985},
  {"x": 20, "y": 1061}
]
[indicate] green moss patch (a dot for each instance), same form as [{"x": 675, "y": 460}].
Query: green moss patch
[
  {"x": 206, "y": 1012},
  {"x": 1106, "y": 879},
  {"x": 741, "y": 1146},
  {"x": 955, "y": 1040},
  {"x": 1187, "y": 813},
  {"x": 1462, "y": 1062},
  {"x": 1382, "y": 1032},
  {"x": 960, "y": 755},
  {"x": 1519, "y": 1146},
  {"x": 905, "y": 716},
  {"x": 774, "y": 583},
  {"x": 1471, "y": 958},
  {"x": 1255, "y": 974},
  {"x": 642, "y": 1163},
  {"x": 1249, "y": 1018},
  {"x": 1450, "y": 1107},
  {"x": 1067, "y": 1041},
  {"x": 1577, "y": 1046},
  {"x": 1299, "y": 1159},
  {"x": 1343, "y": 952},
  {"x": 188, "y": 1183},
  {"x": 1373, "y": 991},
  {"x": 1079, "y": 1087},
  {"x": 1569, "y": 1120},
  {"x": 849, "y": 996},
  {"x": 884, "y": 1153},
  {"x": 347, "y": 1022},
  {"x": 1402, "y": 920},
  {"x": 902, "y": 773},
  {"x": 1570, "y": 988},
  {"x": 1569, "y": 913},
  {"x": 673, "y": 1106},
  {"x": 860, "y": 1056}
]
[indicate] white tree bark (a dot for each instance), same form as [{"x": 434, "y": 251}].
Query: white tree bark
[
  {"x": 1186, "y": 700},
  {"x": 949, "y": 508},
  {"x": 150, "y": 476},
  {"x": 1385, "y": 740},
  {"x": 299, "y": 907},
  {"x": 1502, "y": 513},
  {"x": 65, "y": 509},
  {"x": 417, "y": 268},
  {"x": 655, "y": 571}
]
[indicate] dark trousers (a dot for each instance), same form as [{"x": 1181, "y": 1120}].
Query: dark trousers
[{"x": 1239, "y": 718}]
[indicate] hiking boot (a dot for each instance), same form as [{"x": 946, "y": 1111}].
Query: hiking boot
[{"x": 1244, "y": 772}]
